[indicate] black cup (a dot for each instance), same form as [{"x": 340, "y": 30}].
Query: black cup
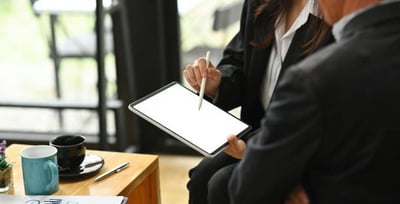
[{"x": 71, "y": 150}]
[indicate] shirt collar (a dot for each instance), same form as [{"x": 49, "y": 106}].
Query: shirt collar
[
  {"x": 309, "y": 8},
  {"x": 338, "y": 27}
]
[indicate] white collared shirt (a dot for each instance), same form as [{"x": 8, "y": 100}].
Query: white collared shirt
[{"x": 280, "y": 49}]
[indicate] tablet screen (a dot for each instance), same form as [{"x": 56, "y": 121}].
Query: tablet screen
[{"x": 174, "y": 109}]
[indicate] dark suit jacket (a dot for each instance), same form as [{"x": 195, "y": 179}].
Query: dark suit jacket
[
  {"x": 243, "y": 67},
  {"x": 334, "y": 122}
]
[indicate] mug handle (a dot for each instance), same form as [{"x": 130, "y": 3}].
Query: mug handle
[{"x": 54, "y": 176}]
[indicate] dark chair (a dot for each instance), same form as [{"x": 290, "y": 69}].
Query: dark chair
[{"x": 81, "y": 45}]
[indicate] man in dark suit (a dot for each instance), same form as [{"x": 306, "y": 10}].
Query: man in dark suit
[{"x": 334, "y": 122}]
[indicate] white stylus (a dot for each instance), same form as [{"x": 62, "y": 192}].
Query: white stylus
[
  {"x": 203, "y": 81},
  {"x": 112, "y": 171}
]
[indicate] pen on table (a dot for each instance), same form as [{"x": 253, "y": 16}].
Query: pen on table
[
  {"x": 203, "y": 81},
  {"x": 112, "y": 171}
]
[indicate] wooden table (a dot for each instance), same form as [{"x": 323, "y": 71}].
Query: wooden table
[{"x": 139, "y": 182}]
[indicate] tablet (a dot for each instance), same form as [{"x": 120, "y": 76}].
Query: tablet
[{"x": 174, "y": 109}]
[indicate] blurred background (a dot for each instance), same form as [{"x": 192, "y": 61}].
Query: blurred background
[
  {"x": 151, "y": 42},
  {"x": 163, "y": 36}
]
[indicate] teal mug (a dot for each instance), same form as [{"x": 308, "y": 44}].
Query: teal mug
[{"x": 39, "y": 170}]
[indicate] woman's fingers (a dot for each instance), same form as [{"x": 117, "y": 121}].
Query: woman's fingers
[{"x": 192, "y": 76}]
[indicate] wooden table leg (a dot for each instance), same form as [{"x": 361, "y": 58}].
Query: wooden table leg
[{"x": 148, "y": 192}]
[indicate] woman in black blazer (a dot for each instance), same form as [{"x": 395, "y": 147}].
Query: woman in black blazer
[{"x": 239, "y": 78}]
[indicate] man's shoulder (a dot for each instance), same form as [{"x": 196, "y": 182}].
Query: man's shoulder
[
  {"x": 329, "y": 56},
  {"x": 328, "y": 66}
]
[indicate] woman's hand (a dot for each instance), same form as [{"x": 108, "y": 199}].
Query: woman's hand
[
  {"x": 236, "y": 147},
  {"x": 194, "y": 73},
  {"x": 297, "y": 196}
]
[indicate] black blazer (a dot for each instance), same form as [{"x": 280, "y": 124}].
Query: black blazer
[
  {"x": 243, "y": 67},
  {"x": 339, "y": 134}
]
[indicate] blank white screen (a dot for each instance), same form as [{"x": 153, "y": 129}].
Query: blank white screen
[{"x": 176, "y": 108}]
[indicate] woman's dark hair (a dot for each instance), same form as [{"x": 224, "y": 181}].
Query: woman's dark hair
[{"x": 271, "y": 10}]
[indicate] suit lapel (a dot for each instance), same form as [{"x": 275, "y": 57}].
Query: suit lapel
[
  {"x": 258, "y": 67},
  {"x": 296, "y": 48},
  {"x": 302, "y": 37}
]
